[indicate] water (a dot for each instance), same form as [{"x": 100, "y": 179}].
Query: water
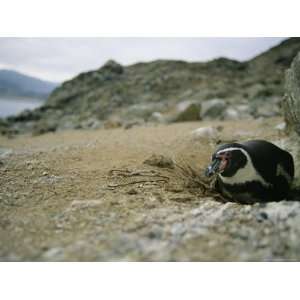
[{"x": 9, "y": 107}]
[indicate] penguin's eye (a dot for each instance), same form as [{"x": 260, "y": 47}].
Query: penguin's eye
[
  {"x": 227, "y": 155},
  {"x": 224, "y": 155}
]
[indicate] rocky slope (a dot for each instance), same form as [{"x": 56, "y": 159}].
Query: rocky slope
[{"x": 163, "y": 91}]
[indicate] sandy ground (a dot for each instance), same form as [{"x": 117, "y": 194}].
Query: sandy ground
[{"x": 86, "y": 195}]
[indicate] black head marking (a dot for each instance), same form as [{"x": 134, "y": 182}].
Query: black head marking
[{"x": 235, "y": 160}]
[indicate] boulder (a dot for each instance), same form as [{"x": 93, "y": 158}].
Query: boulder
[
  {"x": 213, "y": 109},
  {"x": 187, "y": 111},
  {"x": 291, "y": 100},
  {"x": 291, "y": 111}
]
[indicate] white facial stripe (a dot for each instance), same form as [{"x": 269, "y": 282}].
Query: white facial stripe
[
  {"x": 246, "y": 174},
  {"x": 232, "y": 149}
]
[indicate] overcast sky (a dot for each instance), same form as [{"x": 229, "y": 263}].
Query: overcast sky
[{"x": 58, "y": 59}]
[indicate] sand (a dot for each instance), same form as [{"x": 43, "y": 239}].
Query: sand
[{"x": 86, "y": 195}]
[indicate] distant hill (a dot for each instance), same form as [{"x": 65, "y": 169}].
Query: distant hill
[{"x": 15, "y": 84}]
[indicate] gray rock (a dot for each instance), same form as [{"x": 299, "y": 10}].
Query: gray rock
[
  {"x": 112, "y": 123},
  {"x": 291, "y": 100},
  {"x": 141, "y": 111},
  {"x": 281, "y": 127},
  {"x": 187, "y": 111},
  {"x": 133, "y": 123},
  {"x": 267, "y": 110},
  {"x": 157, "y": 117},
  {"x": 231, "y": 114},
  {"x": 291, "y": 110},
  {"x": 213, "y": 109},
  {"x": 208, "y": 132},
  {"x": 91, "y": 123},
  {"x": 54, "y": 254},
  {"x": 5, "y": 152}
]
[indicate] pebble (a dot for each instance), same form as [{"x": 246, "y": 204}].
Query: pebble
[
  {"x": 132, "y": 192},
  {"x": 54, "y": 254}
]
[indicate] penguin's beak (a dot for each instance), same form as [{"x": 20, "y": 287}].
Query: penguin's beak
[{"x": 213, "y": 167}]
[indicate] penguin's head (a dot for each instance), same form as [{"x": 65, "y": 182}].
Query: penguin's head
[{"x": 227, "y": 160}]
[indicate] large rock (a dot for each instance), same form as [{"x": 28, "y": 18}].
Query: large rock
[
  {"x": 238, "y": 112},
  {"x": 187, "y": 111},
  {"x": 291, "y": 110},
  {"x": 213, "y": 109},
  {"x": 291, "y": 101}
]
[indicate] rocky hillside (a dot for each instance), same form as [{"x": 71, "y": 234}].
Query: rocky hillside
[{"x": 163, "y": 91}]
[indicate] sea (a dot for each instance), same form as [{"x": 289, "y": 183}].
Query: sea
[{"x": 13, "y": 106}]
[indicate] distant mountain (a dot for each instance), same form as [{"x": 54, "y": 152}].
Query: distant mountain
[{"x": 15, "y": 84}]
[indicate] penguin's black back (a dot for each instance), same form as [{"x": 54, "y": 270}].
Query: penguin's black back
[{"x": 266, "y": 157}]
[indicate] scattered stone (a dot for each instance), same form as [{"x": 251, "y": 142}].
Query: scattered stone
[
  {"x": 82, "y": 204},
  {"x": 112, "y": 124},
  {"x": 157, "y": 117},
  {"x": 156, "y": 232},
  {"x": 91, "y": 123},
  {"x": 231, "y": 114},
  {"x": 43, "y": 127},
  {"x": 133, "y": 123},
  {"x": 4, "y": 153},
  {"x": 174, "y": 189},
  {"x": 267, "y": 110},
  {"x": 208, "y": 132},
  {"x": 160, "y": 161},
  {"x": 261, "y": 216},
  {"x": 182, "y": 198},
  {"x": 151, "y": 202},
  {"x": 132, "y": 192},
  {"x": 54, "y": 254},
  {"x": 277, "y": 212},
  {"x": 281, "y": 126}
]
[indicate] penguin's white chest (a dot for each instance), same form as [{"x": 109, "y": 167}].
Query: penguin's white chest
[{"x": 243, "y": 175}]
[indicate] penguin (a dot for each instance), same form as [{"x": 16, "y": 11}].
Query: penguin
[{"x": 252, "y": 171}]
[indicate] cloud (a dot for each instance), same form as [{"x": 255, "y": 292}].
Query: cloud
[{"x": 58, "y": 59}]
